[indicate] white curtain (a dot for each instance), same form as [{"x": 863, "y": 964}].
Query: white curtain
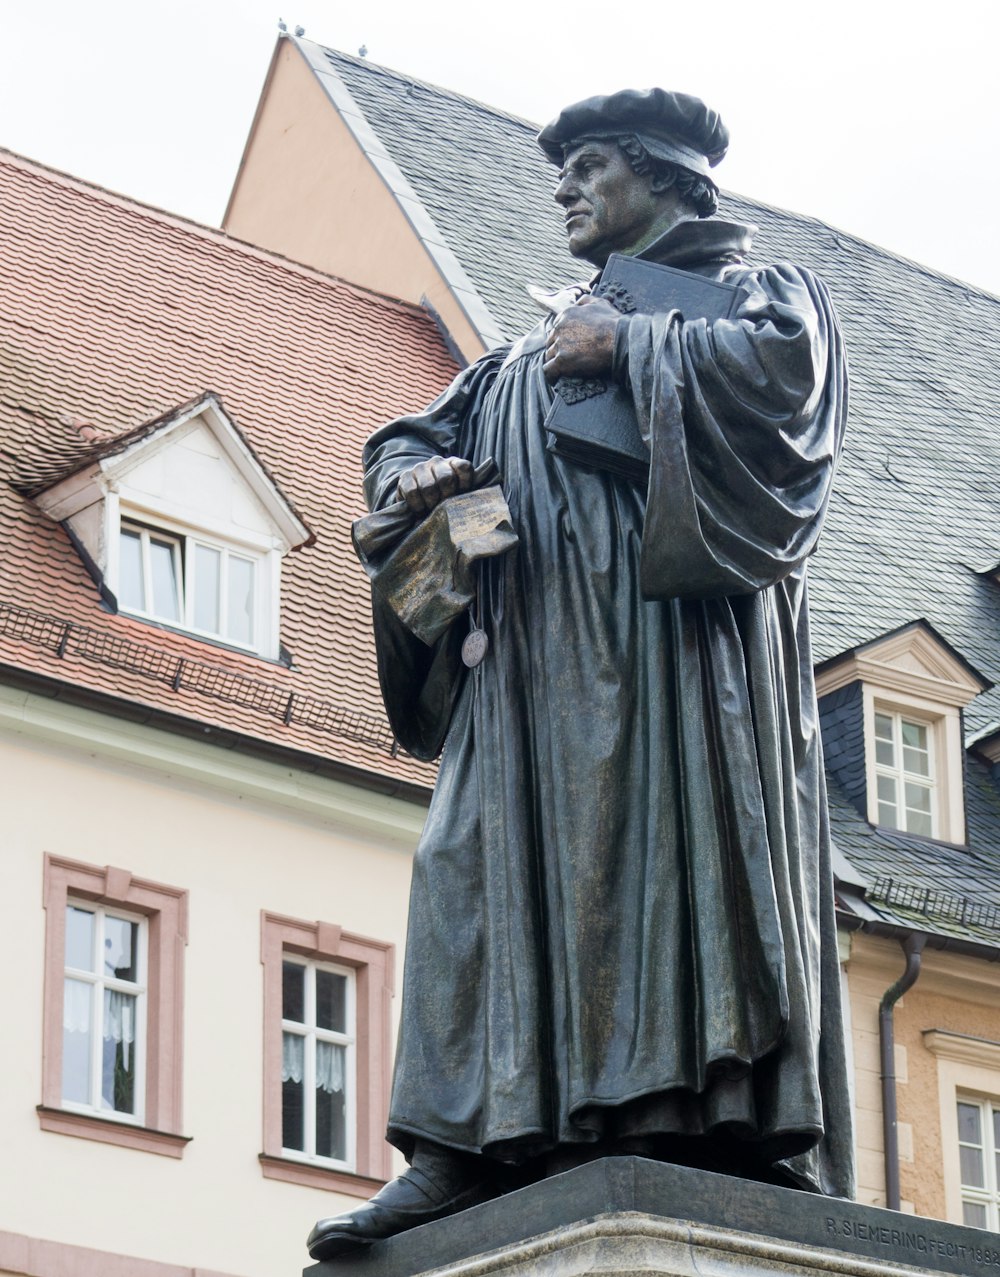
[
  {"x": 119, "y": 1020},
  {"x": 329, "y": 1063},
  {"x": 76, "y": 1007},
  {"x": 293, "y": 1057},
  {"x": 329, "y": 1067},
  {"x": 119, "y": 1014}
]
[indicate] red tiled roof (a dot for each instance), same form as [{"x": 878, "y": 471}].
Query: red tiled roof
[{"x": 114, "y": 314}]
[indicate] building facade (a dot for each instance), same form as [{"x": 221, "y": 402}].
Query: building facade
[{"x": 207, "y": 831}]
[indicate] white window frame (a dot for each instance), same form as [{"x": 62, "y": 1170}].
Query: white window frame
[
  {"x": 944, "y": 738},
  {"x": 308, "y": 1030},
  {"x": 99, "y": 982},
  {"x": 912, "y": 672},
  {"x": 898, "y": 773},
  {"x": 263, "y": 636},
  {"x": 968, "y": 1070},
  {"x": 988, "y": 1195}
]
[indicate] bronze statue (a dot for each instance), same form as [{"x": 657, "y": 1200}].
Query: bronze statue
[{"x": 621, "y": 932}]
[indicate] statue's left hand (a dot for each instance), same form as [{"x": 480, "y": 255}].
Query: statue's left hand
[{"x": 582, "y": 341}]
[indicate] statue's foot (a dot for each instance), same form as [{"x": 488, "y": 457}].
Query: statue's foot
[{"x": 436, "y": 1185}]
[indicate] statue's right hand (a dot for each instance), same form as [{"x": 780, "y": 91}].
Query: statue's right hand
[{"x": 433, "y": 481}]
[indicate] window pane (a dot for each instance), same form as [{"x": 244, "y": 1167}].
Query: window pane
[
  {"x": 887, "y": 813},
  {"x": 918, "y": 797},
  {"x": 130, "y": 591},
  {"x": 918, "y": 808},
  {"x": 883, "y": 727},
  {"x": 118, "y": 1052},
  {"x": 914, "y": 735},
  {"x": 886, "y": 790},
  {"x": 971, "y": 1164},
  {"x": 79, "y": 938},
  {"x": 121, "y": 948},
  {"x": 331, "y": 1001},
  {"x": 292, "y": 1092},
  {"x": 240, "y": 618},
  {"x": 293, "y": 997},
  {"x": 331, "y": 1101},
  {"x": 916, "y": 761},
  {"x": 974, "y": 1214},
  {"x": 207, "y": 570},
  {"x": 76, "y": 1042},
  {"x": 884, "y": 754},
  {"x": 970, "y": 1129},
  {"x": 163, "y": 566}
]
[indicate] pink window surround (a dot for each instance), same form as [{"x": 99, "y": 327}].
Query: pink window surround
[
  {"x": 373, "y": 963},
  {"x": 165, "y": 908},
  {"x": 33, "y": 1257}
]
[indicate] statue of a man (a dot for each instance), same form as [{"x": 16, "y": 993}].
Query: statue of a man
[{"x": 621, "y": 934}]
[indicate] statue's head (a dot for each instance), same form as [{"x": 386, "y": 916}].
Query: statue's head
[{"x": 631, "y": 166}]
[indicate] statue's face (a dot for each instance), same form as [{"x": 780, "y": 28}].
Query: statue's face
[{"x": 609, "y": 208}]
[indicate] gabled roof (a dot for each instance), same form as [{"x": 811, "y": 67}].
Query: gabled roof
[
  {"x": 114, "y": 314},
  {"x": 477, "y": 173},
  {"x": 113, "y": 455},
  {"x": 915, "y": 507}
]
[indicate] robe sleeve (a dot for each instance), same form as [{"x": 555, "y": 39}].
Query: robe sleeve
[
  {"x": 744, "y": 418},
  {"x": 420, "y": 683}
]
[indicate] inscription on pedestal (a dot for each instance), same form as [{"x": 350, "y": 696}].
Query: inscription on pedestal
[{"x": 905, "y": 1243}]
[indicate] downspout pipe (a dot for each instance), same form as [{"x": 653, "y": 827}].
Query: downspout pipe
[{"x": 913, "y": 947}]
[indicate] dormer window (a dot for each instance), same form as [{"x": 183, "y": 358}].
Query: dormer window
[
  {"x": 892, "y": 730},
  {"x": 904, "y": 773},
  {"x": 206, "y": 587},
  {"x": 182, "y": 525}
]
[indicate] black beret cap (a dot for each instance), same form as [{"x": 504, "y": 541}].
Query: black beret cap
[{"x": 672, "y": 126}]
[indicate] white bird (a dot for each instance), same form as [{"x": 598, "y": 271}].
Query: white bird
[
  {"x": 281, "y": 25},
  {"x": 300, "y": 31},
  {"x": 363, "y": 51}
]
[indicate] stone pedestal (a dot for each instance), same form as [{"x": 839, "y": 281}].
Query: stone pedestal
[{"x": 635, "y": 1218}]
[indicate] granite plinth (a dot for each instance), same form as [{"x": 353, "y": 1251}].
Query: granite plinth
[{"x": 627, "y": 1215}]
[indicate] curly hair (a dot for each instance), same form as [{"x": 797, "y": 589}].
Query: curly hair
[{"x": 698, "y": 191}]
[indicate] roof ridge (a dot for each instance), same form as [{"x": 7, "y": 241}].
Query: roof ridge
[
  {"x": 839, "y": 232},
  {"x": 437, "y": 89},
  {"x": 211, "y": 234}
]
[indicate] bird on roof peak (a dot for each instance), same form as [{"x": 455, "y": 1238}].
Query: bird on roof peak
[
  {"x": 363, "y": 51},
  {"x": 282, "y": 27}
]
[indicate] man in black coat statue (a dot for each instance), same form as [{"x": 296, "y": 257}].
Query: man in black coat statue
[{"x": 621, "y": 935}]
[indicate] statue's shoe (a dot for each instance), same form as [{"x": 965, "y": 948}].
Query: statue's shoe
[{"x": 411, "y": 1199}]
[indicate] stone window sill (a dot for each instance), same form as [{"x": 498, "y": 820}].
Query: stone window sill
[
  {"x": 315, "y": 1176},
  {"x": 107, "y": 1131}
]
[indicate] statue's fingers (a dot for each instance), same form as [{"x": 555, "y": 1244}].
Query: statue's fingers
[
  {"x": 463, "y": 472},
  {"x": 446, "y": 479},
  {"x": 407, "y": 490}
]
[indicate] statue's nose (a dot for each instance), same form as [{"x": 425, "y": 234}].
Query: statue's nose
[{"x": 566, "y": 190}]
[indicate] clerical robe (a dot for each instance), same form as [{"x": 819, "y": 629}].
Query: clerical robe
[{"x": 621, "y": 921}]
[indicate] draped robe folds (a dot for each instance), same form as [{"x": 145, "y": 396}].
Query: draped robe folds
[{"x": 621, "y": 919}]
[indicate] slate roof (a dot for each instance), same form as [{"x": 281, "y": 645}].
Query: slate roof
[
  {"x": 114, "y": 314},
  {"x": 915, "y": 518}
]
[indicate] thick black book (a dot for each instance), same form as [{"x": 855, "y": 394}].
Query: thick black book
[{"x": 593, "y": 422}]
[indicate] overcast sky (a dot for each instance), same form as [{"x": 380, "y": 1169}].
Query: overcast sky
[{"x": 879, "y": 117}]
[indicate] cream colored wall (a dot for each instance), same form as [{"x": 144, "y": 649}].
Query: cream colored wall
[
  {"x": 236, "y": 854},
  {"x": 306, "y": 190},
  {"x": 956, "y": 993}
]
